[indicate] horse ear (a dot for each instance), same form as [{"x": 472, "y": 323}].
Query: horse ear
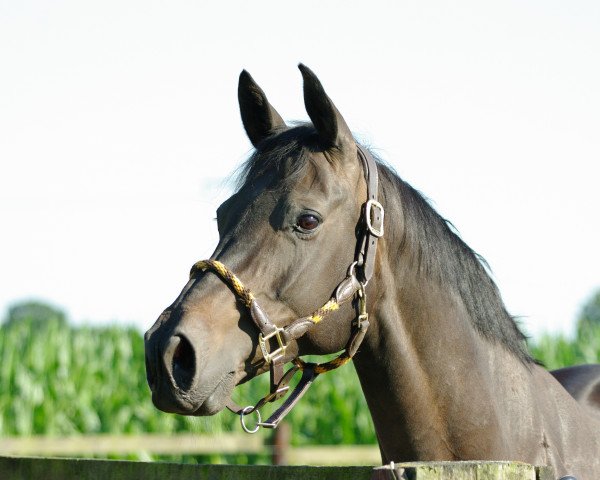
[
  {"x": 331, "y": 126},
  {"x": 260, "y": 119}
]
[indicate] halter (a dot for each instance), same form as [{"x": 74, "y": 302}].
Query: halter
[{"x": 274, "y": 340}]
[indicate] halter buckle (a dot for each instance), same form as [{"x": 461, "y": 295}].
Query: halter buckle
[
  {"x": 372, "y": 209},
  {"x": 278, "y": 352}
]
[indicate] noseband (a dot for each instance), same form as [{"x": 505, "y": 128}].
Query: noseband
[{"x": 274, "y": 340}]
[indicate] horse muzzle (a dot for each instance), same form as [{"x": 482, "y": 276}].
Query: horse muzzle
[{"x": 178, "y": 374}]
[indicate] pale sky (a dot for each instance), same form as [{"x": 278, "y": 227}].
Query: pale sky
[{"x": 119, "y": 127}]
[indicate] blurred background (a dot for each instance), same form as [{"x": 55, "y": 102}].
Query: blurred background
[{"x": 120, "y": 132}]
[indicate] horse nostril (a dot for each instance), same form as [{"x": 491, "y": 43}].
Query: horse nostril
[{"x": 183, "y": 364}]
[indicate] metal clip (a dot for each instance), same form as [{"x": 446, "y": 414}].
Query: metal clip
[
  {"x": 352, "y": 269},
  {"x": 278, "y": 352},
  {"x": 267, "y": 425},
  {"x": 276, "y": 394},
  {"x": 363, "y": 316},
  {"x": 372, "y": 208}
]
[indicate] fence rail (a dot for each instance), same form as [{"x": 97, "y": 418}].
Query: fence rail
[
  {"x": 183, "y": 444},
  {"x": 20, "y": 468},
  {"x": 148, "y": 443}
]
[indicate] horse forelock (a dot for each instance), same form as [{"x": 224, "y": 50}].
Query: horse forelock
[{"x": 285, "y": 154}]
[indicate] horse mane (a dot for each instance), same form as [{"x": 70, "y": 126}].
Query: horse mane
[
  {"x": 444, "y": 256},
  {"x": 441, "y": 253}
]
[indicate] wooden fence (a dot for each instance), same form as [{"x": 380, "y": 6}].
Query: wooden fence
[
  {"x": 277, "y": 447},
  {"x": 22, "y": 468}
]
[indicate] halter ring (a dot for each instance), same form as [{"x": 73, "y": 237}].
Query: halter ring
[{"x": 245, "y": 411}]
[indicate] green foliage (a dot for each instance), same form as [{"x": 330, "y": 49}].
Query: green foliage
[
  {"x": 556, "y": 351},
  {"x": 561, "y": 351},
  {"x": 60, "y": 380},
  {"x": 57, "y": 379},
  {"x": 589, "y": 319}
]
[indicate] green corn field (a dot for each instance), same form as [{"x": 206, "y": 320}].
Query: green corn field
[
  {"x": 58, "y": 379},
  {"x": 556, "y": 351}
]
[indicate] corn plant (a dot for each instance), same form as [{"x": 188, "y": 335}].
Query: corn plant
[{"x": 58, "y": 379}]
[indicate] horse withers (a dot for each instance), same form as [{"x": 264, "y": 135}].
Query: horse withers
[{"x": 444, "y": 368}]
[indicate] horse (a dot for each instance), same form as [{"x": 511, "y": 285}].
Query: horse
[
  {"x": 583, "y": 383},
  {"x": 444, "y": 368}
]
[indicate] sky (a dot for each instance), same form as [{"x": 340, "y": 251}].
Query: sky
[{"x": 120, "y": 131}]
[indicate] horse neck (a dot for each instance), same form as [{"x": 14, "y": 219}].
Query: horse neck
[
  {"x": 438, "y": 390},
  {"x": 442, "y": 385},
  {"x": 429, "y": 377}
]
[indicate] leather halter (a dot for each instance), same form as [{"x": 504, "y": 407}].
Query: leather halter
[{"x": 274, "y": 340}]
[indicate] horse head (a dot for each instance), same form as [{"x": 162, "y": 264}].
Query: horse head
[{"x": 290, "y": 237}]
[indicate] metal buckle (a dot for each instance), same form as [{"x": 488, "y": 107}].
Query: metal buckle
[
  {"x": 278, "y": 352},
  {"x": 370, "y": 208}
]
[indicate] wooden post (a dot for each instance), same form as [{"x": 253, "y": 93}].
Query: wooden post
[
  {"x": 461, "y": 471},
  {"x": 281, "y": 443}
]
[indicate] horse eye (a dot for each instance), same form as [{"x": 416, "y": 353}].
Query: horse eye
[{"x": 308, "y": 222}]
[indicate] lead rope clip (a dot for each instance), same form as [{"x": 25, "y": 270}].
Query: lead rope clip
[{"x": 363, "y": 316}]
